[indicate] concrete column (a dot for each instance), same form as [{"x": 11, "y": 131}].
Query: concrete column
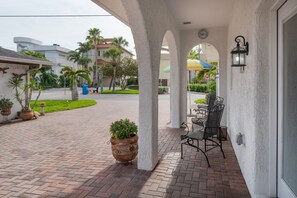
[
  {"x": 175, "y": 80},
  {"x": 148, "y": 46}
]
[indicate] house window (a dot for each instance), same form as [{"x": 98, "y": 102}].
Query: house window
[{"x": 99, "y": 54}]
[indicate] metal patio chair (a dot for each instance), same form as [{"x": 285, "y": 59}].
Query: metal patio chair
[
  {"x": 202, "y": 109},
  {"x": 201, "y": 120},
  {"x": 211, "y": 131}
]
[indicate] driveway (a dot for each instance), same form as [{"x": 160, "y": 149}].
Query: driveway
[{"x": 67, "y": 154}]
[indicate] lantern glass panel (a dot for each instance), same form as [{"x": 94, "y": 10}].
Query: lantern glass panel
[
  {"x": 242, "y": 59},
  {"x": 236, "y": 59}
]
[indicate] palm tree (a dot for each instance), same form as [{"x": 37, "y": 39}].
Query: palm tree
[
  {"x": 119, "y": 42},
  {"x": 84, "y": 61},
  {"x": 73, "y": 76},
  {"x": 94, "y": 38},
  {"x": 84, "y": 47},
  {"x": 74, "y": 56},
  {"x": 114, "y": 54}
]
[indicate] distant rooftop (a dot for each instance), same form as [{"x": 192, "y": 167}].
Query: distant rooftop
[
  {"x": 28, "y": 43},
  {"x": 9, "y": 56}
]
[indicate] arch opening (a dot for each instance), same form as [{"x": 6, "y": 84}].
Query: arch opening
[
  {"x": 169, "y": 83},
  {"x": 203, "y": 63}
]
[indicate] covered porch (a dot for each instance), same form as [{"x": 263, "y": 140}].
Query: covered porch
[
  {"x": 65, "y": 154},
  {"x": 251, "y": 94}
]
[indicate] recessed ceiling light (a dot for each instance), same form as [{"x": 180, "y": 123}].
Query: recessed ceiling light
[{"x": 187, "y": 22}]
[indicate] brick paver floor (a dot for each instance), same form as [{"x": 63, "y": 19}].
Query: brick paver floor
[{"x": 67, "y": 154}]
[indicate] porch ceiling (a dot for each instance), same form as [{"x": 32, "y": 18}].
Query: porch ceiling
[{"x": 201, "y": 13}]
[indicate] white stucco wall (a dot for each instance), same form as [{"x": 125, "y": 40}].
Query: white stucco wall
[
  {"x": 248, "y": 96},
  {"x": 8, "y": 92}
]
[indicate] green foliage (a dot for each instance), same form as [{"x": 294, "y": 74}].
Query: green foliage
[
  {"x": 212, "y": 86},
  {"x": 125, "y": 68},
  {"x": 114, "y": 54},
  {"x": 132, "y": 81},
  {"x": 133, "y": 87},
  {"x": 78, "y": 57},
  {"x": 200, "y": 101},
  {"x": 120, "y": 92},
  {"x": 94, "y": 38},
  {"x": 198, "y": 87},
  {"x": 212, "y": 74},
  {"x": 214, "y": 63},
  {"x": 128, "y": 67},
  {"x": 119, "y": 42},
  {"x": 62, "y": 105},
  {"x": 16, "y": 83},
  {"x": 162, "y": 90},
  {"x": 63, "y": 80},
  {"x": 33, "y": 54},
  {"x": 123, "y": 129},
  {"x": 73, "y": 76},
  {"x": 107, "y": 69},
  {"x": 5, "y": 103},
  {"x": 193, "y": 54}
]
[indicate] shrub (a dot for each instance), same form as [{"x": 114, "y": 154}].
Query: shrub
[
  {"x": 162, "y": 90},
  {"x": 123, "y": 129},
  {"x": 212, "y": 86},
  {"x": 200, "y": 101},
  {"x": 5, "y": 103},
  {"x": 198, "y": 87},
  {"x": 133, "y": 87},
  {"x": 132, "y": 81}
]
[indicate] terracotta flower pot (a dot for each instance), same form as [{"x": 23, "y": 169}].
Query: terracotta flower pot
[
  {"x": 125, "y": 150},
  {"x": 26, "y": 115},
  {"x": 6, "y": 111}
]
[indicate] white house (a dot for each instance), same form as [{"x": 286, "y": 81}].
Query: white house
[
  {"x": 54, "y": 53},
  {"x": 260, "y": 100},
  {"x": 13, "y": 62}
]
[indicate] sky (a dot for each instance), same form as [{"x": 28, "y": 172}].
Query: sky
[{"x": 63, "y": 31}]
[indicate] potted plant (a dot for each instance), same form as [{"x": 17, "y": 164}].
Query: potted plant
[
  {"x": 124, "y": 140},
  {"x": 5, "y": 106},
  {"x": 22, "y": 95}
]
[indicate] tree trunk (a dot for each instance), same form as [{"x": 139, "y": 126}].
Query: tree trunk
[
  {"x": 114, "y": 75},
  {"x": 96, "y": 66},
  {"x": 74, "y": 91},
  {"x": 110, "y": 84}
]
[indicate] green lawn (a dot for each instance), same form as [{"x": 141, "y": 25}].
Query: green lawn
[
  {"x": 127, "y": 91},
  {"x": 200, "y": 101},
  {"x": 62, "y": 105}
]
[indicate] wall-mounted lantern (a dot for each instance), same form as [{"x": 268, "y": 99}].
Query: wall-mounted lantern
[{"x": 240, "y": 52}]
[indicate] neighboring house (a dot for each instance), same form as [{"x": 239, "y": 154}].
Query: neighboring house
[
  {"x": 102, "y": 47},
  {"x": 260, "y": 97},
  {"x": 13, "y": 62},
  {"x": 54, "y": 53}
]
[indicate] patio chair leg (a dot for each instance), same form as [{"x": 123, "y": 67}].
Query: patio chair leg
[
  {"x": 181, "y": 151},
  {"x": 206, "y": 158},
  {"x": 220, "y": 140}
]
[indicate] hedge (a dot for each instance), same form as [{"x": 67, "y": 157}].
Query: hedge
[
  {"x": 198, "y": 87},
  {"x": 161, "y": 89}
]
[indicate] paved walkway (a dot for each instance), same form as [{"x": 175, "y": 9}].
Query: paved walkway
[{"x": 67, "y": 154}]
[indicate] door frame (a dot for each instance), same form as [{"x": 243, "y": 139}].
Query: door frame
[
  {"x": 282, "y": 186},
  {"x": 273, "y": 97}
]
